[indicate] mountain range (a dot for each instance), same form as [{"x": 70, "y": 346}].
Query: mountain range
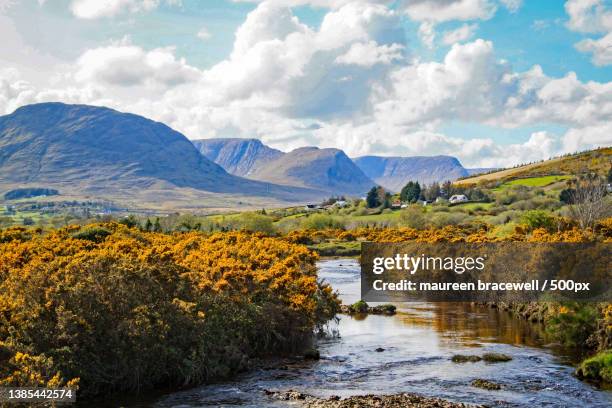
[
  {"x": 96, "y": 152},
  {"x": 327, "y": 169},
  {"x": 99, "y": 152}
]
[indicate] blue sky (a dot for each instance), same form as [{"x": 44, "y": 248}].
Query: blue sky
[{"x": 494, "y": 82}]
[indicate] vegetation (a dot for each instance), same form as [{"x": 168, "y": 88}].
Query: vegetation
[
  {"x": 29, "y": 192},
  {"x": 411, "y": 192},
  {"x": 597, "y": 368},
  {"x": 109, "y": 308}
]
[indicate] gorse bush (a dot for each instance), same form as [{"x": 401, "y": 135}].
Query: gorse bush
[{"x": 130, "y": 310}]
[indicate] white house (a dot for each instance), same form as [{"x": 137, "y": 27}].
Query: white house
[
  {"x": 341, "y": 203},
  {"x": 458, "y": 198}
]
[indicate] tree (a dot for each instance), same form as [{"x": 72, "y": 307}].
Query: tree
[
  {"x": 588, "y": 204},
  {"x": 148, "y": 225},
  {"x": 610, "y": 174},
  {"x": 157, "y": 226},
  {"x": 446, "y": 190},
  {"x": 411, "y": 192},
  {"x": 130, "y": 221},
  {"x": 432, "y": 192},
  {"x": 375, "y": 197},
  {"x": 567, "y": 196}
]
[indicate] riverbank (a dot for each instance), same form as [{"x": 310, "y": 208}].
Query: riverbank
[
  {"x": 402, "y": 400},
  {"x": 410, "y": 353}
]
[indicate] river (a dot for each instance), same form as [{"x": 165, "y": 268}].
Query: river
[{"x": 418, "y": 344}]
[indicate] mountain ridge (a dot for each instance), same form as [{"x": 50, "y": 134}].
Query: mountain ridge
[
  {"x": 91, "y": 150},
  {"x": 393, "y": 172}
]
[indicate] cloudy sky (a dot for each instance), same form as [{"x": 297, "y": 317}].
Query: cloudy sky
[{"x": 493, "y": 82}]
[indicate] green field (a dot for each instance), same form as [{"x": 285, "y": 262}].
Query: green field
[{"x": 541, "y": 181}]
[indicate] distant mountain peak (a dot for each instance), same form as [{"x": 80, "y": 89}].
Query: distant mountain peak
[
  {"x": 240, "y": 157},
  {"x": 326, "y": 169},
  {"x": 394, "y": 172}
]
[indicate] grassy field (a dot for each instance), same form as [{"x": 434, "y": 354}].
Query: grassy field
[
  {"x": 593, "y": 161},
  {"x": 533, "y": 182}
]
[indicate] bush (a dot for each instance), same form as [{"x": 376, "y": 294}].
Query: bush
[
  {"x": 538, "y": 219},
  {"x": 573, "y": 324},
  {"x": 137, "y": 310},
  {"x": 93, "y": 234},
  {"x": 413, "y": 217},
  {"x": 443, "y": 219},
  {"x": 597, "y": 368},
  {"x": 254, "y": 222}
]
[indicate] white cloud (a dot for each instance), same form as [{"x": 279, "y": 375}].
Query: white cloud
[
  {"x": 329, "y": 4},
  {"x": 352, "y": 76},
  {"x": 370, "y": 53},
  {"x": 465, "y": 32},
  {"x": 203, "y": 34},
  {"x": 512, "y": 5},
  {"x": 427, "y": 33},
  {"x": 432, "y": 12},
  {"x": 592, "y": 16},
  {"x": 126, "y": 65},
  {"x": 92, "y": 9},
  {"x": 601, "y": 49},
  {"x": 448, "y": 10},
  {"x": 588, "y": 16}
]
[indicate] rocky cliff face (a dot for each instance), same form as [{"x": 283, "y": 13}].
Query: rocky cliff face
[
  {"x": 330, "y": 170},
  {"x": 240, "y": 157}
]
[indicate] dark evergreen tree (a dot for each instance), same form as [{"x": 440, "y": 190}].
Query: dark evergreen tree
[
  {"x": 157, "y": 226},
  {"x": 411, "y": 192},
  {"x": 373, "y": 199}
]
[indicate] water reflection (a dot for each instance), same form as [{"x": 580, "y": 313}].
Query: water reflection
[{"x": 417, "y": 344}]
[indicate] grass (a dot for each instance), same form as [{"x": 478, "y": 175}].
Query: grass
[
  {"x": 337, "y": 248},
  {"x": 597, "y": 368},
  {"x": 597, "y": 161},
  {"x": 537, "y": 181},
  {"x": 473, "y": 206}
]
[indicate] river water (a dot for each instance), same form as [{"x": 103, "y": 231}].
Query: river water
[{"x": 418, "y": 343}]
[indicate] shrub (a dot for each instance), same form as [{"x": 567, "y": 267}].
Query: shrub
[
  {"x": 538, "y": 219},
  {"x": 413, "y": 217},
  {"x": 255, "y": 222},
  {"x": 93, "y": 234},
  {"x": 443, "y": 219},
  {"x": 573, "y": 324},
  {"x": 140, "y": 309},
  {"x": 597, "y": 368}
]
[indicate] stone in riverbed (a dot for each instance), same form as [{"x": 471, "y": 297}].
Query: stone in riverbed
[
  {"x": 379, "y": 350},
  {"x": 485, "y": 384},
  {"x": 461, "y": 358},
  {"x": 367, "y": 401},
  {"x": 488, "y": 357},
  {"x": 496, "y": 357}
]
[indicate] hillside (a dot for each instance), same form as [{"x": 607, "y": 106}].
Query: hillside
[
  {"x": 394, "y": 172},
  {"x": 94, "y": 151},
  {"x": 328, "y": 170},
  {"x": 240, "y": 157},
  {"x": 598, "y": 160}
]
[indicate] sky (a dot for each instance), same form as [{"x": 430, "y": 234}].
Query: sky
[{"x": 494, "y": 83}]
